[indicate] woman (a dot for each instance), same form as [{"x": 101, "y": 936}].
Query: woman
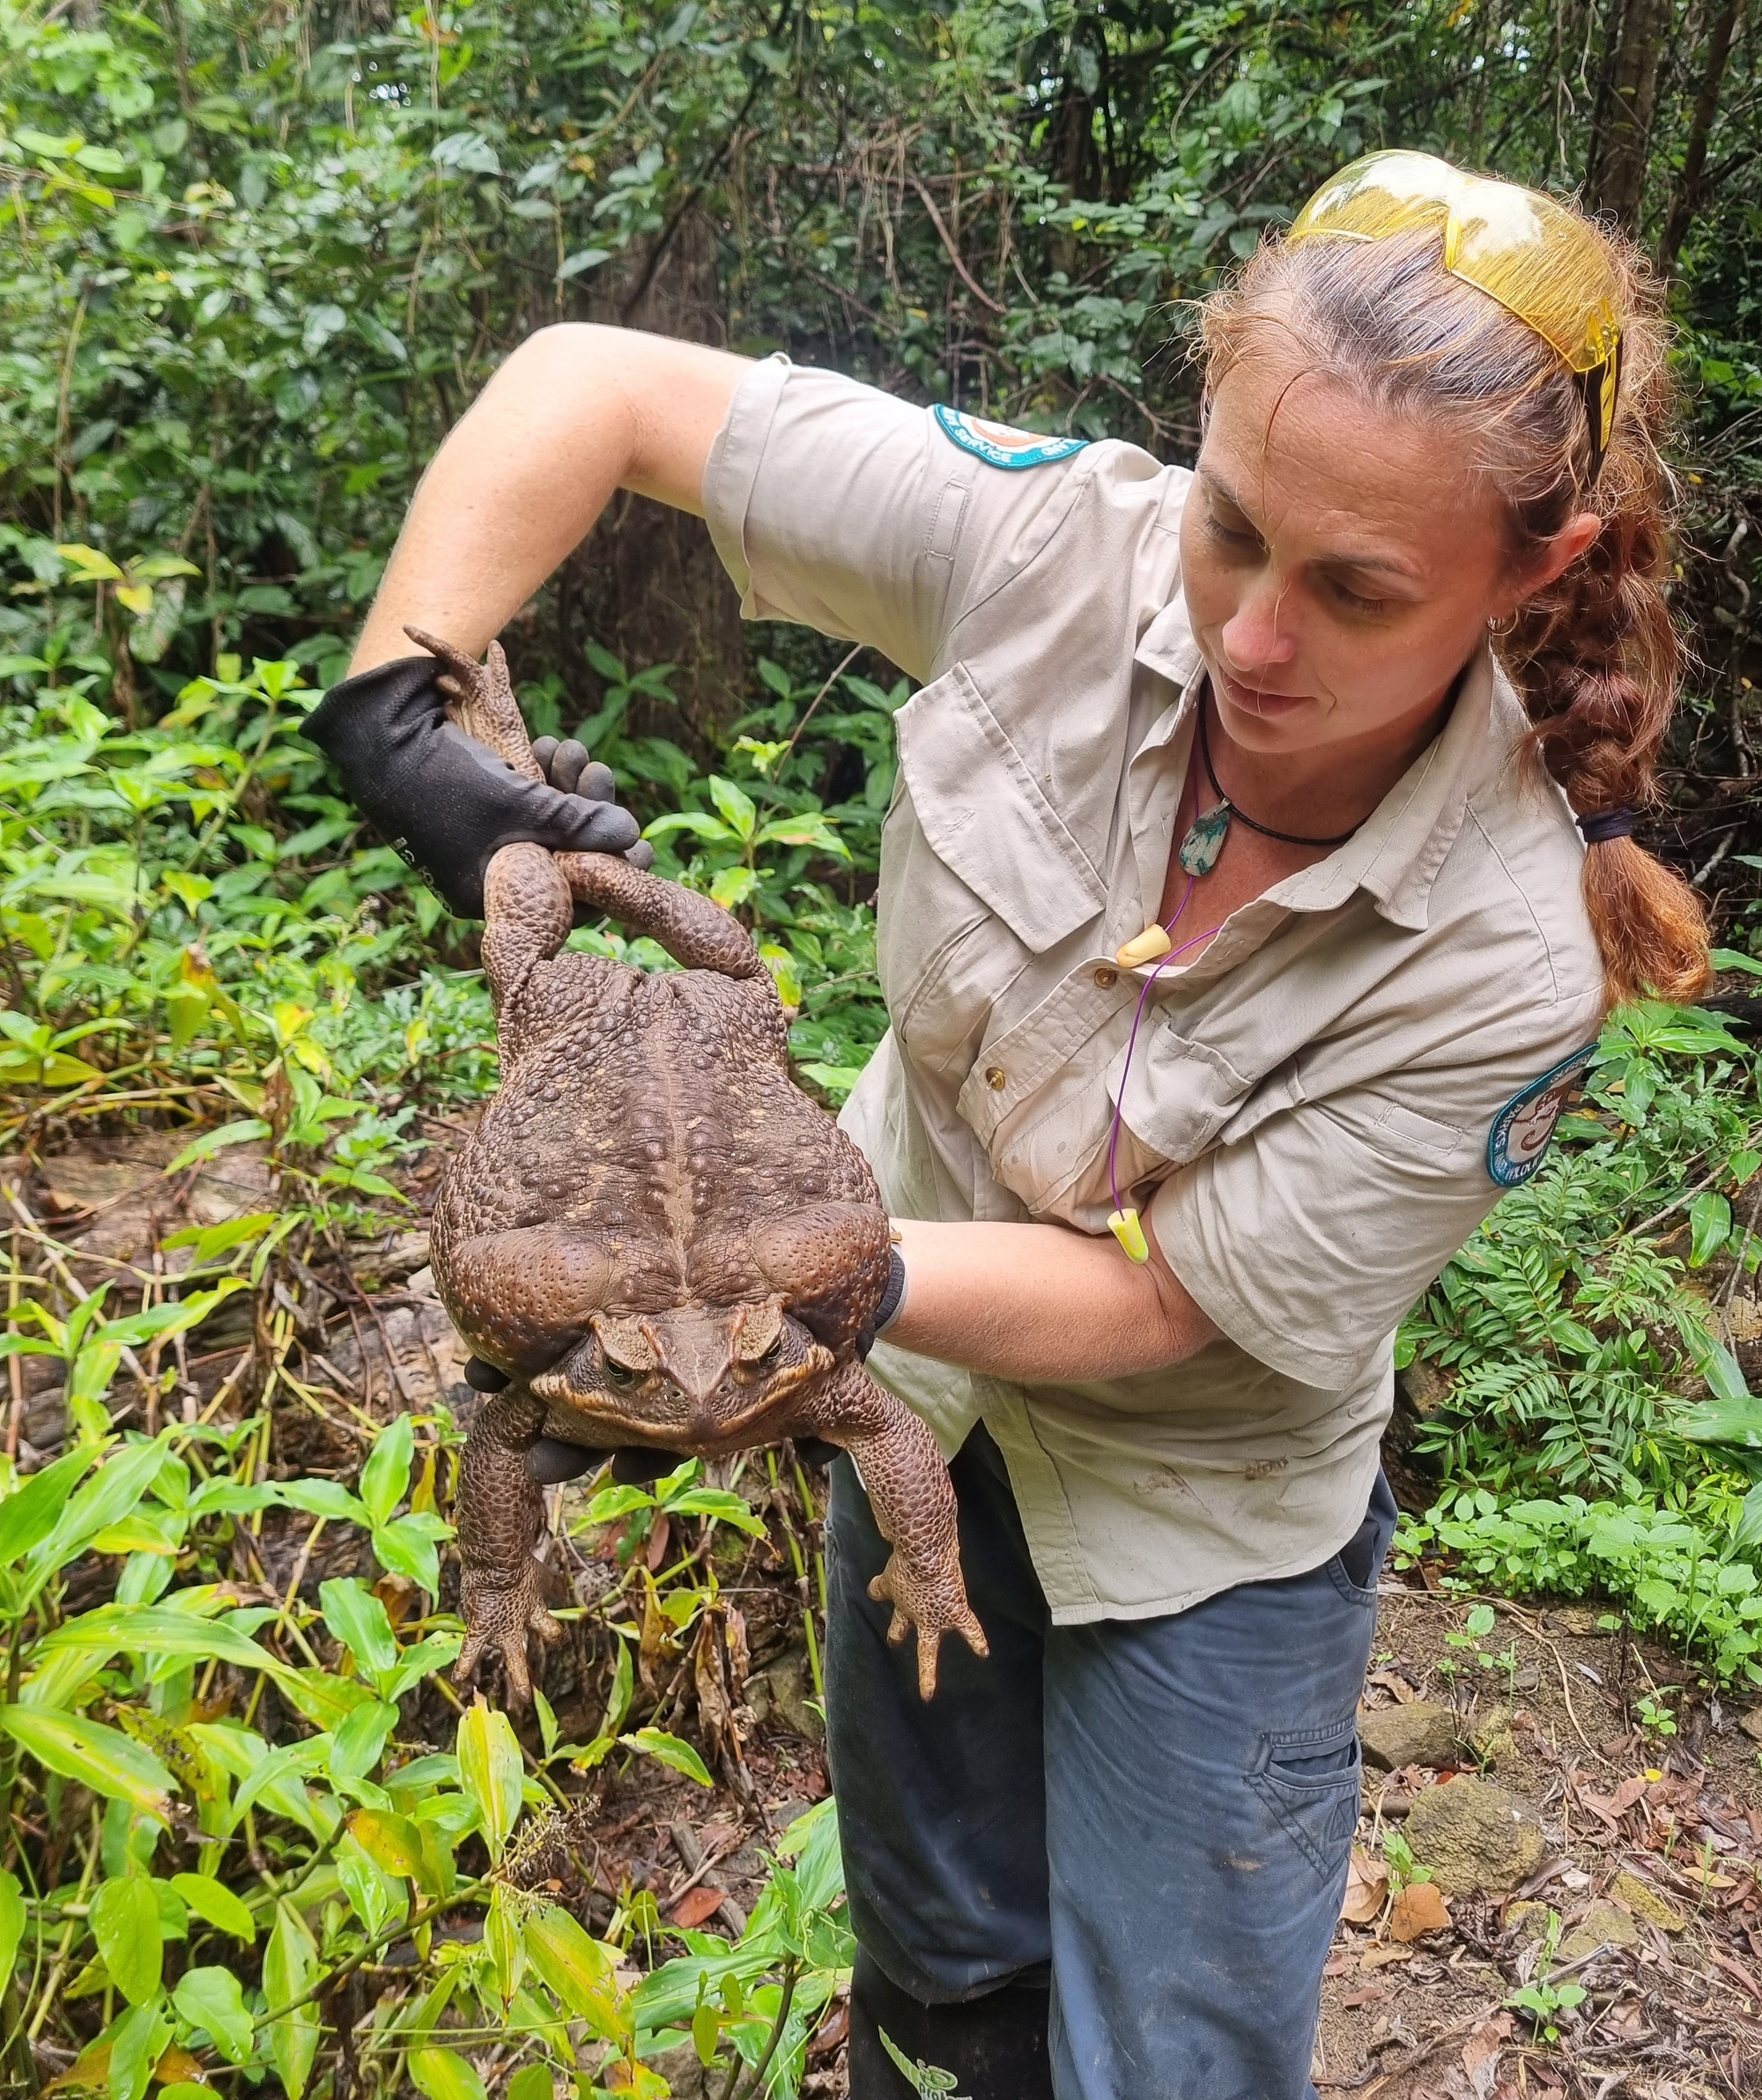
[{"x": 1232, "y": 898}]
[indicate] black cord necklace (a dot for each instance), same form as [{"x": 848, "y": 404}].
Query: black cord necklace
[{"x": 1203, "y": 843}]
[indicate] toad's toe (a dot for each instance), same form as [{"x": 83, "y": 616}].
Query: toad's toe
[{"x": 499, "y": 1615}]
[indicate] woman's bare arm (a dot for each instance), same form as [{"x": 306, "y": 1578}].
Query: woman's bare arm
[
  {"x": 1040, "y": 1303},
  {"x": 575, "y": 414}
]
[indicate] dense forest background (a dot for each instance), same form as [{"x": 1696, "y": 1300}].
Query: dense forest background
[{"x": 256, "y": 257}]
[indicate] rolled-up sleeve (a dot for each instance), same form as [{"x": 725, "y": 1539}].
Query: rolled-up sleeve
[
  {"x": 833, "y": 505},
  {"x": 1306, "y": 1242}
]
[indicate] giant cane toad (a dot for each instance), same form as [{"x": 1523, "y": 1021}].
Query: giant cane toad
[{"x": 656, "y": 1237}]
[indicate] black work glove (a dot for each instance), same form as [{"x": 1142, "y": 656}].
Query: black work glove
[{"x": 444, "y": 802}]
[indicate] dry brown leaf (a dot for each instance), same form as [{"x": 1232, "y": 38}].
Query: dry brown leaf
[
  {"x": 1366, "y": 1887},
  {"x": 697, "y": 1906},
  {"x": 1481, "y": 2051},
  {"x": 1380, "y": 1957},
  {"x": 1397, "y": 1686},
  {"x": 1419, "y": 1908}
]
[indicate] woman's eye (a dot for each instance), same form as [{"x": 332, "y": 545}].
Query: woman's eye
[
  {"x": 1354, "y": 603},
  {"x": 1240, "y": 534}
]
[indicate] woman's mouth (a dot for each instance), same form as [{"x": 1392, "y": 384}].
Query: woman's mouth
[{"x": 1253, "y": 700}]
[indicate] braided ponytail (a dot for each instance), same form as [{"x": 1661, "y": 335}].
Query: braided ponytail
[{"x": 1595, "y": 655}]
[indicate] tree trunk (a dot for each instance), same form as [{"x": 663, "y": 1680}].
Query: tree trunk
[
  {"x": 1616, "y": 177},
  {"x": 1686, "y": 201}
]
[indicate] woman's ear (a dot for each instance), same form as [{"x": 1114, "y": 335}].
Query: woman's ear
[{"x": 1574, "y": 539}]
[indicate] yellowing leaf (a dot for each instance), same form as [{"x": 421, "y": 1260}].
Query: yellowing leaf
[
  {"x": 102, "y": 1759},
  {"x": 578, "y": 1970},
  {"x": 444, "y": 2075},
  {"x": 138, "y": 597},
  {"x": 490, "y": 1770},
  {"x": 93, "y": 566},
  {"x": 392, "y": 1842}
]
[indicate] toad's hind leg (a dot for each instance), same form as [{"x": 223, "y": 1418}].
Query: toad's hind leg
[
  {"x": 693, "y": 930},
  {"x": 500, "y": 1513},
  {"x": 914, "y": 1502}
]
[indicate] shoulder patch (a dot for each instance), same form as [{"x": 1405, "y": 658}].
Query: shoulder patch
[
  {"x": 999, "y": 446},
  {"x": 1523, "y": 1127}
]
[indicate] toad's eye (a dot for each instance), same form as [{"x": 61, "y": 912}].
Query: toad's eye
[
  {"x": 620, "y": 1375},
  {"x": 770, "y": 1359}
]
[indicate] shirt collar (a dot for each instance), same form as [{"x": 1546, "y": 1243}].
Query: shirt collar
[{"x": 1394, "y": 856}]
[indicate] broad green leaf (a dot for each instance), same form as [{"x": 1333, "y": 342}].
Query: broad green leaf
[
  {"x": 1736, "y": 1420},
  {"x": 669, "y": 1750},
  {"x": 502, "y": 1939},
  {"x": 444, "y": 2075},
  {"x": 110, "y": 1494},
  {"x": 356, "y": 1745},
  {"x": 735, "y": 805},
  {"x": 147, "y": 1630},
  {"x": 104, "y": 1759},
  {"x": 290, "y": 1965},
  {"x": 490, "y": 1772},
  {"x": 1747, "y": 1532},
  {"x": 532, "y": 2082},
  {"x": 211, "y": 1999},
  {"x": 358, "y": 1620},
  {"x": 1709, "y": 1227},
  {"x": 623, "y": 1689},
  {"x": 30, "y": 1513},
  {"x": 376, "y": 1896},
  {"x": 385, "y": 1476},
  {"x": 1735, "y": 958},
  {"x": 12, "y": 1920},
  {"x": 699, "y": 821},
  {"x": 136, "y": 2042},
  {"x": 216, "y": 1903},
  {"x": 1718, "y": 1366},
  {"x": 125, "y": 1923},
  {"x": 406, "y": 1547},
  {"x": 578, "y": 1969},
  {"x": 719, "y": 1504},
  {"x": 322, "y": 1498},
  {"x": 614, "y": 1502}
]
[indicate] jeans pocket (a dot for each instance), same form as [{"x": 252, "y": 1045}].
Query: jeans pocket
[{"x": 1310, "y": 1778}]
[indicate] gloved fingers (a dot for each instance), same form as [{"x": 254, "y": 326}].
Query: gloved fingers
[
  {"x": 545, "y": 749},
  {"x": 641, "y": 855},
  {"x": 550, "y": 1461},
  {"x": 565, "y": 767},
  {"x": 596, "y": 783},
  {"x": 635, "y": 1467},
  {"x": 600, "y": 827}
]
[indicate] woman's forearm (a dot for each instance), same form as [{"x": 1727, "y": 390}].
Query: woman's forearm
[
  {"x": 1040, "y": 1303},
  {"x": 575, "y": 414}
]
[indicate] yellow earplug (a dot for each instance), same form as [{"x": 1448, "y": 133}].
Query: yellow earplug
[
  {"x": 1124, "y": 1225},
  {"x": 1148, "y": 947}
]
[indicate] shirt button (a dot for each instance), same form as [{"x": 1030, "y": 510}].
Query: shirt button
[
  {"x": 997, "y": 1078},
  {"x": 1107, "y": 979}
]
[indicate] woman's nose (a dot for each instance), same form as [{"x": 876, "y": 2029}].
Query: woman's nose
[{"x": 1255, "y": 637}]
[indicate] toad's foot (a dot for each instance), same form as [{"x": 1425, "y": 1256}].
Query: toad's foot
[
  {"x": 931, "y": 1600},
  {"x": 914, "y": 1510},
  {"x": 501, "y": 1512},
  {"x": 499, "y": 1615}
]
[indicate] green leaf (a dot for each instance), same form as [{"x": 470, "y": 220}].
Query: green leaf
[
  {"x": 147, "y": 1630},
  {"x": 1709, "y": 1227},
  {"x": 1736, "y": 1420},
  {"x": 736, "y": 806},
  {"x": 697, "y": 821},
  {"x": 1747, "y": 1532},
  {"x": 12, "y": 1920},
  {"x": 610, "y": 1502},
  {"x": 623, "y": 1689},
  {"x": 124, "y": 1918},
  {"x": 669, "y": 1750},
  {"x": 532, "y": 2082},
  {"x": 1734, "y": 958},
  {"x": 322, "y": 1498},
  {"x": 211, "y": 1999},
  {"x": 444, "y": 2075},
  {"x": 216, "y": 1903},
  {"x": 137, "y": 2041},
  {"x": 392, "y": 1842},
  {"x": 290, "y": 1964},
  {"x": 359, "y": 1743},
  {"x": 490, "y": 1772},
  {"x": 30, "y": 1513},
  {"x": 358, "y": 1620},
  {"x": 1718, "y": 1366},
  {"x": 385, "y": 1476},
  {"x": 719, "y": 1504},
  {"x": 104, "y": 1759},
  {"x": 211, "y": 1142}
]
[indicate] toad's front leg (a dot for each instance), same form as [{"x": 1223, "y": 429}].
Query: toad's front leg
[
  {"x": 501, "y": 1512},
  {"x": 914, "y": 1503}
]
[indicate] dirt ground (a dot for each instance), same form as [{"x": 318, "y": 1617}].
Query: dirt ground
[{"x": 1633, "y": 1875}]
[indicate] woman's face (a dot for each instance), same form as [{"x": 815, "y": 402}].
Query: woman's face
[{"x": 1339, "y": 567}]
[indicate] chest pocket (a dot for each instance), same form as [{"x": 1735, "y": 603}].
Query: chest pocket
[{"x": 980, "y": 873}]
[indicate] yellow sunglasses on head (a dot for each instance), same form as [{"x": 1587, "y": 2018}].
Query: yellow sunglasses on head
[{"x": 1524, "y": 248}]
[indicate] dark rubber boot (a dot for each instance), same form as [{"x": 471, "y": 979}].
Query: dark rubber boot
[{"x": 994, "y": 2045}]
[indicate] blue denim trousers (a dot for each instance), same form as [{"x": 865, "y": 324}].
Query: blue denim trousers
[{"x": 1153, "y": 1815}]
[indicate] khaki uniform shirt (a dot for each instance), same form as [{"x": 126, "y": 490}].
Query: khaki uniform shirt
[{"x": 1308, "y": 1113}]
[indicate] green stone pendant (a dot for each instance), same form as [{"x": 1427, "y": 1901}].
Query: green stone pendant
[{"x": 1202, "y": 846}]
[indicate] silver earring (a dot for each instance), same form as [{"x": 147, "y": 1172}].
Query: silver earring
[{"x": 1502, "y": 626}]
